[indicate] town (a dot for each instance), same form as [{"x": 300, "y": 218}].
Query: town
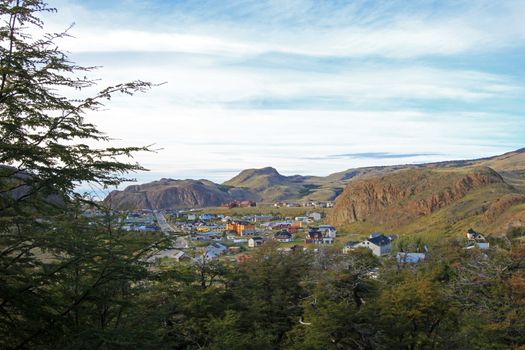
[{"x": 209, "y": 234}]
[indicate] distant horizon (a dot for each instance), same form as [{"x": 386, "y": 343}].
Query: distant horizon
[
  {"x": 308, "y": 87},
  {"x": 228, "y": 174}
]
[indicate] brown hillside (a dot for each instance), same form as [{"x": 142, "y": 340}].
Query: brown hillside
[
  {"x": 400, "y": 199},
  {"x": 168, "y": 193}
]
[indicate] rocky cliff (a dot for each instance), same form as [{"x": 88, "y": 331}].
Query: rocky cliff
[{"x": 448, "y": 195}]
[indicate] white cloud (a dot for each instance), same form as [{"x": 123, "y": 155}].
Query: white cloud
[
  {"x": 404, "y": 35},
  {"x": 203, "y": 117}
]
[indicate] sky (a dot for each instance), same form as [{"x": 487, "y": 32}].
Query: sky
[{"x": 308, "y": 87}]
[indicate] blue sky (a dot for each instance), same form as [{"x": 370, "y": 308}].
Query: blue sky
[{"x": 309, "y": 87}]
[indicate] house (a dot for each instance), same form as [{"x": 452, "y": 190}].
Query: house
[
  {"x": 191, "y": 217},
  {"x": 280, "y": 225},
  {"x": 473, "y": 235},
  {"x": 255, "y": 242},
  {"x": 410, "y": 258},
  {"x": 315, "y": 216},
  {"x": 241, "y": 228},
  {"x": 378, "y": 243},
  {"x": 316, "y": 236},
  {"x": 328, "y": 230},
  {"x": 476, "y": 239},
  {"x": 283, "y": 236},
  {"x": 258, "y": 218},
  {"x": 214, "y": 250}
]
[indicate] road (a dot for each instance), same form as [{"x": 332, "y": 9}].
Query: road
[{"x": 164, "y": 226}]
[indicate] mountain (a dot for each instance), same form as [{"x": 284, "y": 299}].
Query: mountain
[
  {"x": 488, "y": 194},
  {"x": 257, "y": 179},
  {"x": 270, "y": 186},
  {"x": 387, "y": 196},
  {"x": 169, "y": 193}
]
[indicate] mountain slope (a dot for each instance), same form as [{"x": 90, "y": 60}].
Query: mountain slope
[
  {"x": 267, "y": 185},
  {"x": 425, "y": 199},
  {"x": 168, "y": 193}
]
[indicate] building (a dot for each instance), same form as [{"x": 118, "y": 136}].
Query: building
[
  {"x": 214, "y": 250},
  {"x": 255, "y": 242},
  {"x": 476, "y": 240},
  {"x": 283, "y": 236},
  {"x": 328, "y": 230},
  {"x": 473, "y": 235},
  {"x": 378, "y": 243},
  {"x": 241, "y": 228},
  {"x": 316, "y": 236}
]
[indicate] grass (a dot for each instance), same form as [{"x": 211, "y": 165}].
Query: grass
[{"x": 263, "y": 210}]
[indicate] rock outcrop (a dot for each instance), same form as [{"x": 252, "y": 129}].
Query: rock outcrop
[{"x": 399, "y": 198}]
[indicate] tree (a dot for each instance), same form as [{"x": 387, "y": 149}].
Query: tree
[{"x": 60, "y": 274}]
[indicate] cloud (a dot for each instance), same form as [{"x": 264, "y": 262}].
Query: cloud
[
  {"x": 303, "y": 28},
  {"x": 286, "y": 83},
  {"x": 382, "y": 155}
]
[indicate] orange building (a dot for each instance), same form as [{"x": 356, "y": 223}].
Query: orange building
[{"x": 241, "y": 228}]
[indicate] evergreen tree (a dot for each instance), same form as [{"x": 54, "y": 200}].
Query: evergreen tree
[{"x": 62, "y": 277}]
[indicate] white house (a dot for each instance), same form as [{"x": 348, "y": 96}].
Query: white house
[
  {"x": 328, "y": 230},
  {"x": 255, "y": 242},
  {"x": 379, "y": 244}
]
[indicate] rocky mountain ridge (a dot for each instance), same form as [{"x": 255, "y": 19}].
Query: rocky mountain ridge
[{"x": 403, "y": 191}]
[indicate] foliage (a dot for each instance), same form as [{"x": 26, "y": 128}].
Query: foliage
[{"x": 65, "y": 280}]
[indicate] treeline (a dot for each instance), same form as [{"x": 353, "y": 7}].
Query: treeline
[{"x": 93, "y": 289}]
